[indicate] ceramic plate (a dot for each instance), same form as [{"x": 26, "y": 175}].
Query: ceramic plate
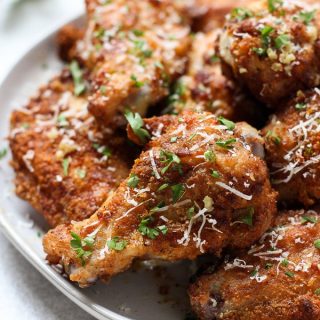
[{"x": 135, "y": 294}]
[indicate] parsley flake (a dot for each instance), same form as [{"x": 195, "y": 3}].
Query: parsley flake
[
  {"x": 136, "y": 123},
  {"x": 65, "y": 166},
  {"x": 83, "y": 248},
  {"x": 306, "y": 219},
  {"x": 149, "y": 232},
  {"x": 227, "y": 144},
  {"x": 77, "y": 76},
  {"x": 3, "y": 153},
  {"x": 282, "y": 41},
  {"x": 136, "y": 82},
  {"x": 177, "y": 192},
  {"x": 169, "y": 158},
  {"x": 133, "y": 180},
  {"x": 317, "y": 243},
  {"x": 229, "y": 124},
  {"x": 307, "y": 16},
  {"x": 116, "y": 244},
  {"x": 210, "y": 156}
]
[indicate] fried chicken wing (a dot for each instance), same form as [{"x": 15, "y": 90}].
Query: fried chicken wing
[
  {"x": 205, "y": 88},
  {"x": 134, "y": 50},
  {"x": 277, "y": 278},
  {"x": 273, "y": 48},
  {"x": 64, "y": 167},
  {"x": 293, "y": 148},
  {"x": 198, "y": 187}
]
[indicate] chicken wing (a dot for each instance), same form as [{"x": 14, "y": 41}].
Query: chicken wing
[
  {"x": 198, "y": 187},
  {"x": 134, "y": 50},
  {"x": 64, "y": 167},
  {"x": 273, "y": 48},
  {"x": 278, "y": 278},
  {"x": 205, "y": 88},
  {"x": 293, "y": 149}
]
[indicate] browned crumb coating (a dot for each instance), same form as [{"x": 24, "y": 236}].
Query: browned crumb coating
[
  {"x": 198, "y": 187},
  {"x": 293, "y": 149},
  {"x": 205, "y": 88},
  {"x": 63, "y": 166},
  {"x": 273, "y": 48},
  {"x": 134, "y": 50},
  {"x": 277, "y": 278}
]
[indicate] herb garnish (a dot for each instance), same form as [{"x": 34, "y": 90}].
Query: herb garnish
[
  {"x": 273, "y": 137},
  {"x": 136, "y": 82},
  {"x": 133, "y": 180},
  {"x": 273, "y": 5},
  {"x": 227, "y": 144},
  {"x": 3, "y": 153},
  {"x": 136, "y": 123},
  {"x": 151, "y": 233},
  {"x": 307, "y": 16},
  {"x": 210, "y": 156},
  {"x": 77, "y": 76},
  {"x": 241, "y": 14},
  {"x": 169, "y": 158},
  {"x": 317, "y": 243},
  {"x": 177, "y": 192},
  {"x": 116, "y": 244},
  {"x": 306, "y": 219},
  {"x": 65, "y": 166},
  {"x": 83, "y": 248},
  {"x": 229, "y": 124}
]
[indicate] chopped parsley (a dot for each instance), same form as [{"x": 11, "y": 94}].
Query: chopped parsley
[
  {"x": 227, "y": 144},
  {"x": 265, "y": 39},
  {"x": 133, "y": 180},
  {"x": 81, "y": 173},
  {"x": 215, "y": 173},
  {"x": 163, "y": 186},
  {"x": 116, "y": 244},
  {"x": 285, "y": 262},
  {"x": 103, "y": 90},
  {"x": 157, "y": 207},
  {"x": 300, "y": 106},
  {"x": 268, "y": 266},
  {"x": 317, "y": 292},
  {"x": 307, "y": 16},
  {"x": 241, "y": 14},
  {"x": 77, "y": 76},
  {"x": 62, "y": 120},
  {"x": 65, "y": 166},
  {"x": 229, "y": 124},
  {"x": 254, "y": 273},
  {"x": 190, "y": 212},
  {"x": 177, "y": 192},
  {"x": 282, "y": 41},
  {"x": 173, "y": 139},
  {"x": 273, "y": 137},
  {"x": 248, "y": 218},
  {"x": 136, "y": 123},
  {"x": 210, "y": 156},
  {"x": 149, "y": 232},
  {"x": 169, "y": 158},
  {"x": 317, "y": 243},
  {"x": 3, "y": 153},
  {"x": 289, "y": 274},
  {"x": 136, "y": 82},
  {"x": 306, "y": 219},
  {"x": 138, "y": 33},
  {"x": 83, "y": 248},
  {"x": 273, "y": 5}
]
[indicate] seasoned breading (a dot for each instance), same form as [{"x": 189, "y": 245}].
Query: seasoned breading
[
  {"x": 205, "y": 88},
  {"x": 273, "y": 48},
  {"x": 293, "y": 149},
  {"x": 198, "y": 187},
  {"x": 64, "y": 167},
  {"x": 134, "y": 50},
  {"x": 277, "y": 278}
]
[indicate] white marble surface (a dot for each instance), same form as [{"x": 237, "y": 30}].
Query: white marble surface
[{"x": 24, "y": 293}]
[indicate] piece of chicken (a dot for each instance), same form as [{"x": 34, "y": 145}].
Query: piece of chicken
[
  {"x": 199, "y": 187},
  {"x": 64, "y": 167},
  {"x": 277, "y": 278},
  {"x": 273, "y": 48},
  {"x": 293, "y": 149},
  {"x": 205, "y": 88},
  {"x": 134, "y": 50}
]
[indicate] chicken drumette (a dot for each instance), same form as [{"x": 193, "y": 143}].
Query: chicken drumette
[
  {"x": 64, "y": 167},
  {"x": 273, "y": 48},
  {"x": 293, "y": 148},
  {"x": 199, "y": 186},
  {"x": 134, "y": 50},
  {"x": 277, "y": 278}
]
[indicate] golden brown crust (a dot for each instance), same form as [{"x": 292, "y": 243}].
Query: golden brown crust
[
  {"x": 134, "y": 50},
  {"x": 205, "y": 88},
  {"x": 277, "y": 279},
  {"x": 194, "y": 186},
  {"x": 293, "y": 149},
  {"x": 61, "y": 160},
  {"x": 273, "y": 49}
]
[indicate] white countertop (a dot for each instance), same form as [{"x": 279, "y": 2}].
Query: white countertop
[{"x": 24, "y": 292}]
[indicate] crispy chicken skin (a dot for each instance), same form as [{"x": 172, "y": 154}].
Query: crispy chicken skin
[
  {"x": 273, "y": 49},
  {"x": 63, "y": 166},
  {"x": 134, "y": 50},
  {"x": 293, "y": 148},
  {"x": 205, "y": 88},
  {"x": 197, "y": 188},
  {"x": 277, "y": 278}
]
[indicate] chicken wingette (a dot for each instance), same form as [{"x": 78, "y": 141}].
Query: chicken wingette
[
  {"x": 64, "y": 167},
  {"x": 200, "y": 186}
]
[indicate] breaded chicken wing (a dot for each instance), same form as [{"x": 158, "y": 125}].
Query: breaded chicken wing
[
  {"x": 273, "y": 48},
  {"x": 64, "y": 167},
  {"x": 198, "y": 187},
  {"x": 293, "y": 148},
  {"x": 134, "y": 50},
  {"x": 277, "y": 278},
  {"x": 205, "y": 88}
]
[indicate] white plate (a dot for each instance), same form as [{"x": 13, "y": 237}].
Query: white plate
[{"x": 131, "y": 295}]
